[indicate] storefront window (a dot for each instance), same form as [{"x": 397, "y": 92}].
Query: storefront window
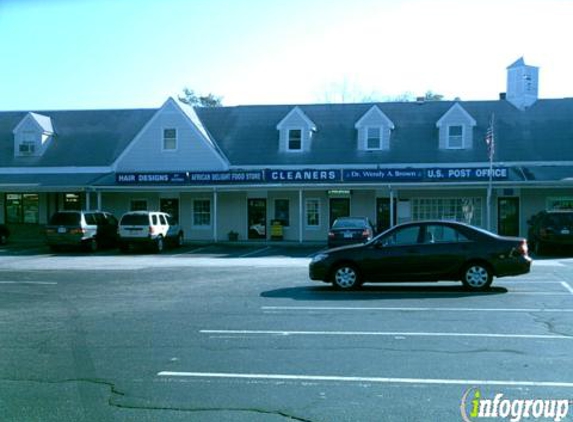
[
  {"x": 72, "y": 202},
  {"x": 466, "y": 210},
  {"x": 138, "y": 205},
  {"x": 312, "y": 212},
  {"x": 22, "y": 208},
  {"x": 201, "y": 212},
  {"x": 563, "y": 203},
  {"x": 282, "y": 213}
]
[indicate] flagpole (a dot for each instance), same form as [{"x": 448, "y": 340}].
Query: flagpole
[{"x": 490, "y": 140}]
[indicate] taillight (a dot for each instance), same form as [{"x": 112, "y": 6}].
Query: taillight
[
  {"x": 366, "y": 233},
  {"x": 330, "y": 234},
  {"x": 151, "y": 230}
]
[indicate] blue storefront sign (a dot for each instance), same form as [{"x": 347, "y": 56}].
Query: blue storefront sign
[
  {"x": 303, "y": 176},
  {"x": 225, "y": 177}
]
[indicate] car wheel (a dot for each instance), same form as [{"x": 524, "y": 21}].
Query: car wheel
[
  {"x": 346, "y": 277},
  {"x": 179, "y": 240},
  {"x": 477, "y": 276},
  {"x": 92, "y": 245},
  {"x": 159, "y": 246}
]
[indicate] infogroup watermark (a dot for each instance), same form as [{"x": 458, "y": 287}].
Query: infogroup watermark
[{"x": 474, "y": 407}]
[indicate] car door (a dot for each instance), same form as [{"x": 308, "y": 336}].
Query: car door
[
  {"x": 442, "y": 251},
  {"x": 395, "y": 256}
]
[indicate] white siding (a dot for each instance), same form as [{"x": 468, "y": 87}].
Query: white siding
[{"x": 193, "y": 153}]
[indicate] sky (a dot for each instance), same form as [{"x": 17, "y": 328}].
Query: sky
[{"x": 108, "y": 54}]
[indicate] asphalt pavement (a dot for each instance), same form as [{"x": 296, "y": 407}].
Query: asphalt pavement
[{"x": 215, "y": 333}]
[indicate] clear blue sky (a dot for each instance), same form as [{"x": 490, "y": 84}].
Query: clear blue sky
[{"x": 85, "y": 54}]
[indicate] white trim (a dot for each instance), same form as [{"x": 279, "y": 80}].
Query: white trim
[
  {"x": 169, "y": 150},
  {"x": 379, "y": 114},
  {"x": 288, "y": 131},
  {"x": 448, "y": 136},
  {"x": 54, "y": 170},
  {"x": 306, "y": 225},
  {"x": 282, "y": 125},
  {"x": 201, "y": 226},
  {"x": 456, "y": 106}
]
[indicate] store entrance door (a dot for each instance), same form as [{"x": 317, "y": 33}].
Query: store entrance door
[
  {"x": 383, "y": 214},
  {"x": 339, "y": 207},
  {"x": 170, "y": 206},
  {"x": 257, "y": 218},
  {"x": 508, "y": 216}
]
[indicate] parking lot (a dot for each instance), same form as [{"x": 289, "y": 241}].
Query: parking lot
[{"x": 239, "y": 333}]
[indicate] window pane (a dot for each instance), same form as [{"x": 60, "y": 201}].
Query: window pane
[
  {"x": 312, "y": 212},
  {"x": 282, "y": 213},
  {"x": 170, "y": 133},
  {"x": 202, "y": 212},
  {"x": 13, "y": 207},
  {"x": 455, "y": 137},
  {"x": 295, "y": 139}
]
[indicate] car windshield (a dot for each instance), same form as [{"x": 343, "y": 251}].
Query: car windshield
[
  {"x": 349, "y": 223},
  {"x": 65, "y": 219},
  {"x": 135, "y": 220}
]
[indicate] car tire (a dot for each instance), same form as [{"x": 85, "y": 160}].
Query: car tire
[
  {"x": 179, "y": 240},
  {"x": 159, "y": 245},
  {"x": 477, "y": 276},
  {"x": 92, "y": 245},
  {"x": 346, "y": 277}
]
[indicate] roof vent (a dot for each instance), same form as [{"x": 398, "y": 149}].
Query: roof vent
[{"x": 502, "y": 95}]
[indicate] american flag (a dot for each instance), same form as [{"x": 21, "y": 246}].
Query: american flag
[{"x": 489, "y": 140}]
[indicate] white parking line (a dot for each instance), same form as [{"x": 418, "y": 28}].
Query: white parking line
[
  {"x": 385, "y": 380},
  {"x": 255, "y": 252},
  {"x": 40, "y": 283},
  {"x": 387, "y": 334},
  {"x": 567, "y": 286},
  {"x": 410, "y": 309}
]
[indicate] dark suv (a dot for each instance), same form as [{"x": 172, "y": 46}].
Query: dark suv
[
  {"x": 550, "y": 229},
  {"x": 88, "y": 229}
]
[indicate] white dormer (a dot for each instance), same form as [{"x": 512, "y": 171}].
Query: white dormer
[
  {"x": 374, "y": 130},
  {"x": 522, "y": 84},
  {"x": 32, "y": 135},
  {"x": 456, "y": 129},
  {"x": 295, "y": 131}
]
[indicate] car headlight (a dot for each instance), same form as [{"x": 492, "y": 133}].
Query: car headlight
[{"x": 319, "y": 257}]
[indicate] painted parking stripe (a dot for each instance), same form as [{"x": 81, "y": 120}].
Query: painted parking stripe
[
  {"x": 39, "y": 283},
  {"x": 255, "y": 252},
  {"x": 567, "y": 286},
  {"x": 381, "y": 380},
  {"x": 408, "y": 309},
  {"x": 385, "y": 334}
]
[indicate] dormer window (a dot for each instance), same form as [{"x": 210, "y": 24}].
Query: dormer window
[
  {"x": 32, "y": 135},
  {"x": 374, "y": 129},
  {"x": 455, "y": 137},
  {"x": 456, "y": 129},
  {"x": 169, "y": 139},
  {"x": 295, "y": 139},
  {"x": 295, "y": 132}
]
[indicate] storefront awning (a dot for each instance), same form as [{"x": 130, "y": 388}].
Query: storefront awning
[{"x": 48, "y": 182}]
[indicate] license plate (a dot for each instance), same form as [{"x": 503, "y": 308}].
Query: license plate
[
  {"x": 61, "y": 230},
  {"x": 348, "y": 235},
  {"x": 565, "y": 231}
]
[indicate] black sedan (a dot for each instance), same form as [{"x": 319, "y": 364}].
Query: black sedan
[
  {"x": 424, "y": 251},
  {"x": 349, "y": 230}
]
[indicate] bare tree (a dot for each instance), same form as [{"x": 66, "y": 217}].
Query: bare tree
[{"x": 210, "y": 100}]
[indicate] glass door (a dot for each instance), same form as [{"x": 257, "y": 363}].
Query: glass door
[
  {"x": 257, "y": 218},
  {"x": 508, "y": 216},
  {"x": 339, "y": 207}
]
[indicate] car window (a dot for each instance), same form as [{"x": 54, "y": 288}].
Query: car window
[
  {"x": 162, "y": 220},
  {"x": 154, "y": 220},
  {"x": 90, "y": 218},
  {"x": 135, "y": 220},
  {"x": 65, "y": 219},
  {"x": 405, "y": 236},
  {"x": 439, "y": 233},
  {"x": 99, "y": 218},
  {"x": 111, "y": 220},
  {"x": 348, "y": 223}
]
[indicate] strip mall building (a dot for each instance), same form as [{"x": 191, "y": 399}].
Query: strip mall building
[{"x": 237, "y": 169}]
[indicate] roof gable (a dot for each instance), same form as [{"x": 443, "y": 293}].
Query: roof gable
[
  {"x": 296, "y": 117},
  {"x": 456, "y": 112},
  {"x": 374, "y": 117},
  {"x": 43, "y": 123}
]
